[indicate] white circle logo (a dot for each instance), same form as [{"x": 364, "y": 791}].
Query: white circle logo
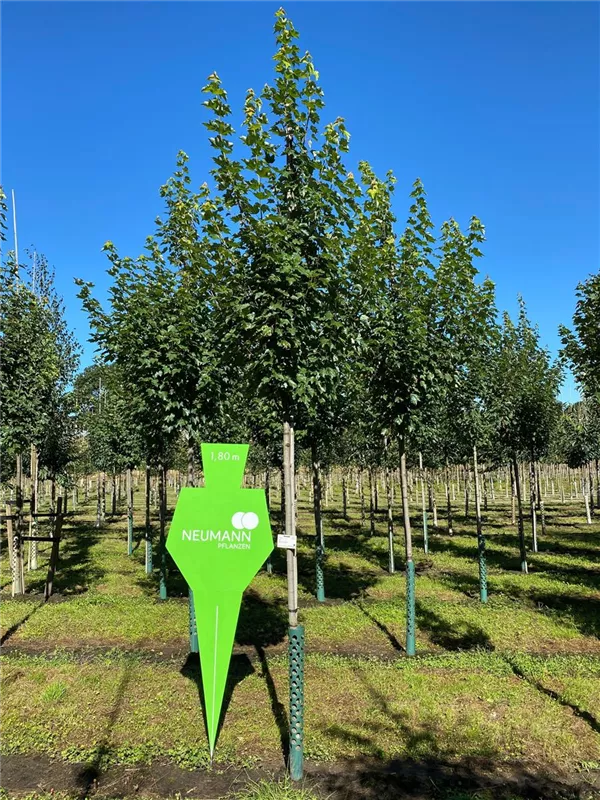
[{"x": 245, "y": 519}]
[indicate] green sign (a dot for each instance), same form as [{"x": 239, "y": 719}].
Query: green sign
[{"x": 219, "y": 538}]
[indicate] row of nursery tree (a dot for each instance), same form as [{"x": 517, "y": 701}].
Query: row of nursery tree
[{"x": 286, "y": 295}]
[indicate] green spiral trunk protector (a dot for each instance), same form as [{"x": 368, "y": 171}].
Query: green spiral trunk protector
[
  {"x": 149, "y": 566},
  {"x": 483, "y": 589},
  {"x": 410, "y": 609},
  {"x": 296, "y": 667},
  {"x": 219, "y": 538}
]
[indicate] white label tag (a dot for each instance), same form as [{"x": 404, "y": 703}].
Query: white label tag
[{"x": 288, "y": 542}]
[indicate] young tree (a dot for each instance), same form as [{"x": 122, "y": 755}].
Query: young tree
[
  {"x": 581, "y": 346},
  {"x": 289, "y": 204},
  {"x": 524, "y": 402},
  {"x": 431, "y": 317},
  {"x": 163, "y": 329}
]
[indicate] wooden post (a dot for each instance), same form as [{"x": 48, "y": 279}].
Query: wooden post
[{"x": 57, "y": 527}]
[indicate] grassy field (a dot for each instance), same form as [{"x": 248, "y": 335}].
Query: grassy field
[{"x": 502, "y": 700}]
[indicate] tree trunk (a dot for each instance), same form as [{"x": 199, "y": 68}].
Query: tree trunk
[
  {"x": 268, "y": 498},
  {"x": 483, "y": 592},
  {"x": 113, "y": 495},
  {"x": 282, "y": 499},
  {"x": 448, "y": 501},
  {"x": 33, "y": 526},
  {"x": 423, "y": 506},
  {"x": 344, "y": 497},
  {"x": 361, "y": 491},
  {"x": 410, "y": 566},
  {"x": 541, "y": 502},
  {"x": 532, "y": 501},
  {"x": 98, "y": 501},
  {"x": 103, "y": 499},
  {"x": 390, "y": 516},
  {"x": 513, "y": 495},
  {"x": 290, "y": 522},
  {"x": 191, "y": 477},
  {"x": 57, "y": 528},
  {"x": 371, "y": 502},
  {"x": 19, "y": 483},
  {"x": 586, "y": 492},
  {"x": 485, "y": 493},
  {"x": 162, "y": 549},
  {"x": 522, "y": 548},
  {"x": 129, "y": 489},
  {"x": 148, "y": 530}
]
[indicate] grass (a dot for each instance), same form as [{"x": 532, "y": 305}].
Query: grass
[
  {"x": 129, "y": 712},
  {"x": 100, "y": 674},
  {"x": 271, "y": 790}
]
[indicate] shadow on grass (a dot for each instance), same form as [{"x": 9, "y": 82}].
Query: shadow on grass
[
  {"x": 277, "y": 708},
  {"x": 77, "y": 569},
  {"x": 341, "y": 582},
  {"x": 346, "y": 537},
  {"x": 583, "y": 611},
  {"x": 383, "y": 628},
  {"x": 88, "y": 776},
  {"x": 459, "y": 636},
  {"x": 240, "y": 667},
  {"x": 14, "y": 628},
  {"x": 591, "y": 720},
  {"x": 448, "y": 779},
  {"x": 262, "y": 623}
]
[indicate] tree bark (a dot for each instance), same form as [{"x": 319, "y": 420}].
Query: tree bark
[
  {"x": 33, "y": 548},
  {"x": 290, "y": 522},
  {"x": 532, "y": 501},
  {"x": 162, "y": 510},
  {"x": 371, "y": 503},
  {"x": 483, "y": 593},
  {"x": 390, "y": 516},
  {"x": 410, "y": 567},
  {"x": 448, "y": 501},
  {"x": 129, "y": 490},
  {"x": 57, "y": 528},
  {"x": 522, "y": 547},
  {"x": 148, "y": 530}
]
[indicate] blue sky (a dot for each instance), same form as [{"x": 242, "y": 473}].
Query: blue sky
[{"x": 493, "y": 104}]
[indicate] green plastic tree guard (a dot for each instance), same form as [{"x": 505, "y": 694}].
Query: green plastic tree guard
[
  {"x": 296, "y": 665},
  {"x": 410, "y": 609},
  {"x": 483, "y": 591},
  {"x": 149, "y": 566},
  {"x": 320, "y": 557}
]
